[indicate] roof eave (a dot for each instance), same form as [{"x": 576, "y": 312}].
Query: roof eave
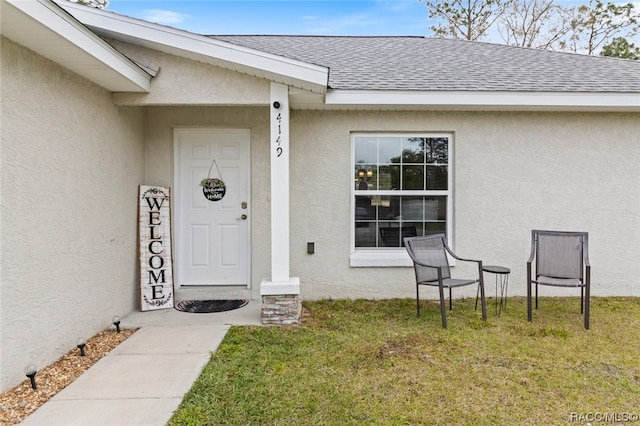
[
  {"x": 483, "y": 100},
  {"x": 43, "y": 27},
  {"x": 202, "y": 49}
]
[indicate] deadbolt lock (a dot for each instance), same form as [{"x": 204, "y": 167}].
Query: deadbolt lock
[{"x": 244, "y": 205}]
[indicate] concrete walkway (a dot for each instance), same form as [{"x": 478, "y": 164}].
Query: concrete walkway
[{"x": 143, "y": 380}]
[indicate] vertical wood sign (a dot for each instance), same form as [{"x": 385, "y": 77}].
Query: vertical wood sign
[{"x": 156, "y": 264}]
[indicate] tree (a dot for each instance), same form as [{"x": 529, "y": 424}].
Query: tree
[
  {"x": 99, "y": 4},
  {"x": 621, "y": 48},
  {"x": 599, "y": 23},
  {"x": 535, "y": 23},
  {"x": 463, "y": 19}
]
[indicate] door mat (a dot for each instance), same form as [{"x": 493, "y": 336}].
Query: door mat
[{"x": 209, "y": 306}]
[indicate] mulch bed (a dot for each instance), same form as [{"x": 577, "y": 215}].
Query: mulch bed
[{"x": 17, "y": 403}]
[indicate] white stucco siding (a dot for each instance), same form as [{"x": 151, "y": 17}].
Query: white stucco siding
[
  {"x": 184, "y": 82},
  {"x": 560, "y": 172},
  {"x": 513, "y": 172},
  {"x": 71, "y": 164}
]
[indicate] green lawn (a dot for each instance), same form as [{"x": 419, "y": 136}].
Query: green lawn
[{"x": 375, "y": 362}]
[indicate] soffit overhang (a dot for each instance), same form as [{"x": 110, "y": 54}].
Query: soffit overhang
[
  {"x": 43, "y": 27},
  {"x": 297, "y": 74}
]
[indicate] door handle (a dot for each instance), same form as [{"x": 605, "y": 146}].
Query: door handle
[{"x": 243, "y": 217}]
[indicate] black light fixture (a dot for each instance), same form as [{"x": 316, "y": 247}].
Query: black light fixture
[
  {"x": 81, "y": 343},
  {"x": 116, "y": 322},
  {"x": 30, "y": 371}
]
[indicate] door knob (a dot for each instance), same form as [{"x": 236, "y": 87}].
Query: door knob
[{"x": 243, "y": 217}]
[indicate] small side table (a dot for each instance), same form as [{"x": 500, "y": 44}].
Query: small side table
[{"x": 502, "y": 277}]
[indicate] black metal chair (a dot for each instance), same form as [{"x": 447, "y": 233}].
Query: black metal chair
[
  {"x": 561, "y": 260},
  {"x": 431, "y": 265}
]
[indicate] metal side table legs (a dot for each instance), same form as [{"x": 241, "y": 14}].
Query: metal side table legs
[{"x": 502, "y": 278}]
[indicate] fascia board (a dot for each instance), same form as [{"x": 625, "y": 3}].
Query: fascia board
[
  {"x": 204, "y": 49},
  {"x": 484, "y": 100},
  {"x": 35, "y": 20}
]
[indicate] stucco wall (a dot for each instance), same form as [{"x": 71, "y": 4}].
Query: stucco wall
[
  {"x": 514, "y": 172},
  {"x": 184, "y": 82},
  {"x": 71, "y": 164}
]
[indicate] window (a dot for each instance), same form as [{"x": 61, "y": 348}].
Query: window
[{"x": 401, "y": 188}]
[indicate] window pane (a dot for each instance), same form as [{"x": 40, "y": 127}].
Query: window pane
[
  {"x": 423, "y": 208},
  {"x": 392, "y": 235},
  {"x": 412, "y": 177},
  {"x": 412, "y": 208},
  {"x": 435, "y": 228},
  {"x": 366, "y": 150},
  {"x": 386, "y": 207},
  {"x": 437, "y": 177},
  {"x": 389, "y": 177},
  {"x": 417, "y": 226},
  {"x": 364, "y": 209},
  {"x": 365, "y": 177},
  {"x": 436, "y": 208},
  {"x": 366, "y": 234},
  {"x": 390, "y": 150},
  {"x": 413, "y": 150},
  {"x": 437, "y": 150},
  {"x": 383, "y": 221}
]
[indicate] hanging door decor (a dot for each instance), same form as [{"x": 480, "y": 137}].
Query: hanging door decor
[
  {"x": 156, "y": 264},
  {"x": 213, "y": 188}
]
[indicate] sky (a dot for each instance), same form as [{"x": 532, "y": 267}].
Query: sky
[
  {"x": 289, "y": 17},
  {"x": 293, "y": 17}
]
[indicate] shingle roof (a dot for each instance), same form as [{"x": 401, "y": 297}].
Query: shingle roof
[{"x": 419, "y": 63}]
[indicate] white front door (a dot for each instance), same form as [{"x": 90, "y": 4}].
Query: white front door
[{"x": 212, "y": 237}]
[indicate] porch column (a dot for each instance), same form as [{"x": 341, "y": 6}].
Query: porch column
[{"x": 280, "y": 294}]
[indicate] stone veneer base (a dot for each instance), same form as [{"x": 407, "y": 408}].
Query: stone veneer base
[{"x": 281, "y": 309}]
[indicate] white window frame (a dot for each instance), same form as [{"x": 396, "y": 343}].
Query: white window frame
[{"x": 394, "y": 257}]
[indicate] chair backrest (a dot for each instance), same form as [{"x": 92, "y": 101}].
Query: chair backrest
[
  {"x": 559, "y": 254},
  {"x": 429, "y": 250}
]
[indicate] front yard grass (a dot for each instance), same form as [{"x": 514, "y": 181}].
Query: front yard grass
[{"x": 374, "y": 362}]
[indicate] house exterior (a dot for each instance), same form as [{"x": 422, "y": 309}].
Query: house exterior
[{"x": 331, "y": 149}]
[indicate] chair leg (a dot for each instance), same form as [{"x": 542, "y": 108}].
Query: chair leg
[
  {"x": 450, "y": 300},
  {"x": 581, "y": 300},
  {"x": 536, "y": 295},
  {"x": 586, "y": 311},
  {"x": 477, "y": 294},
  {"x": 529, "y": 303},
  {"x": 418, "y": 299},
  {"x": 443, "y": 310},
  {"x": 482, "y": 301},
  {"x": 529, "y": 315},
  {"x": 481, "y": 288},
  {"x": 587, "y": 298}
]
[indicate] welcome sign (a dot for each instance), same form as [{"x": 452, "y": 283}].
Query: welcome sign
[{"x": 156, "y": 264}]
